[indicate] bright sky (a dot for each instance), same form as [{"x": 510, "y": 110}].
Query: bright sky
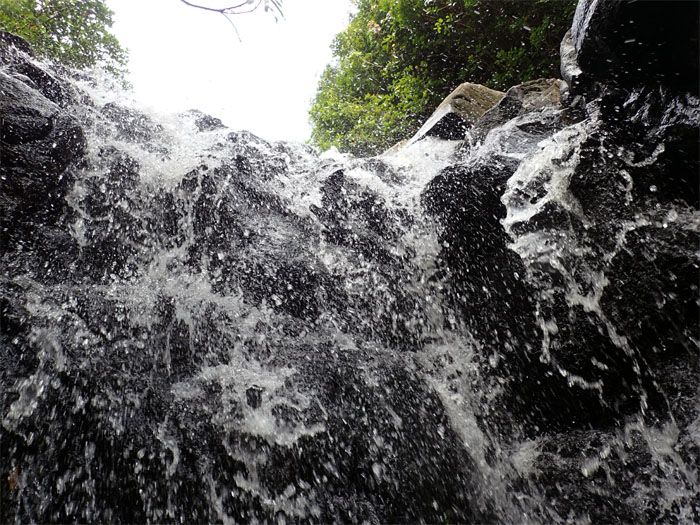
[{"x": 184, "y": 58}]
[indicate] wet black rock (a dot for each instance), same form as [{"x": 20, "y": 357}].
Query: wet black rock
[
  {"x": 488, "y": 283},
  {"x": 402, "y": 474},
  {"x": 358, "y": 219},
  {"x": 10, "y": 44},
  {"x": 267, "y": 336},
  {"x": 563, "y": 242},
  {"x": 488, "y": 278},
  {"x": 111, "y": 231},
  {"x": 36, "y": 135},
  {"x": 637, "y": 43},
  {"x": 660, "y": 269},
  {"x": 355, "y": 217},
  {"x": 13, "y": 53},
  {"x": 133, "y": 126},
  {"x": 594, "y": 474},
  {"x": 40, "y": 145},
  {"x": 205, "y": 122},
  {"x": 373, "y": 445}
]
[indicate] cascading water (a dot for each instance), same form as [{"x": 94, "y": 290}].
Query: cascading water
[
  {"x": 199, "y": 325},
  {"x": 231, "y": 335}
]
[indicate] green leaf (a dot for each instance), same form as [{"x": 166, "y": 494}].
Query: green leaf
[{"x": 72, "y": 32}]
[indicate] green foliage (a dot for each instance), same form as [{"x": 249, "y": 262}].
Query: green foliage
[
  {"x": 72, "y": 32},
  {"x": 398, "y": 59}
]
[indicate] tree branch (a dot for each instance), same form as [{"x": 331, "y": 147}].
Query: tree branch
[
  {"x": 233, "y": 10},
  {"x": 230, "y": 10}
]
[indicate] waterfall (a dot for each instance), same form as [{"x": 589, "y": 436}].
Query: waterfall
[{"x": 199, "y": 325}]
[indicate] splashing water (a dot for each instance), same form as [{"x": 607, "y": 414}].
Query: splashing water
[{"x": 220, "y": 328}]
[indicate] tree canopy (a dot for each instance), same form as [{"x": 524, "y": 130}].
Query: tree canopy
[
  {"x": 72, "y": 32},
  {"x": 398, "y": 59}
]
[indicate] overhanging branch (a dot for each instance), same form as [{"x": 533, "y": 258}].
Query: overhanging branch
[{"x": 237, "y": 9}]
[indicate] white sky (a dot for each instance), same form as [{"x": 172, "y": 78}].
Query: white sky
[{"x": 184, "y": 58}]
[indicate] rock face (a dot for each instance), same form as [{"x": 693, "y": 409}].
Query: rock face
[
  {"x": 39, "y": 146},
  {"x": 571, "y": 250},
  {"x": 650, "y": 43},
  {"x": 37, "y": 137},
  {"x": 273, "y": 378},
  {"x": 576, "y": 192},
  {"x": 199, "y": 325}
]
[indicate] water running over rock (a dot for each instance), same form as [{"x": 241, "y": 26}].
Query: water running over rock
[{"x": 199, "y": 325}]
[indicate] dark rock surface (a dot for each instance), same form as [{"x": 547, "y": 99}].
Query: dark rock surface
[
  {"x": 13, "y": 52},
  {"x": 205, "y": 122},
  {"x": 610, "y": 223},
  {"x": 128, "y": 399},
  {"x": 11, "y": 44},
  {"x": 40, "y": 145},
  {"x": 602, "y": 219},
  {"x": 633, "y": 43},
  {"x": 251, "y": 333}
]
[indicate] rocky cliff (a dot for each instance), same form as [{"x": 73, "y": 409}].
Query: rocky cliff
[{"x": 199, "y": 325}]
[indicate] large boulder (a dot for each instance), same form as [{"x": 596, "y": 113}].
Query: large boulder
[
  {"x": 524, "y": 98},
  {"x": 458, "y": 112}
]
